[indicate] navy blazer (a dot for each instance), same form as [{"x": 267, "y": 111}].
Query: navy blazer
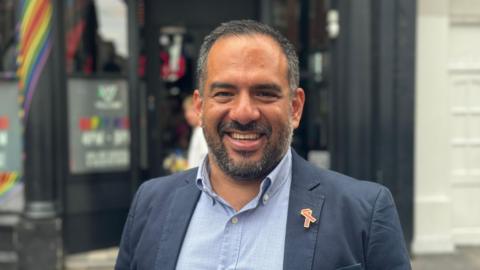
[{"x": 357, "y": 223}]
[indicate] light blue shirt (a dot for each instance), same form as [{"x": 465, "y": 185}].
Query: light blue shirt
[{"x": 253, "y": 238}]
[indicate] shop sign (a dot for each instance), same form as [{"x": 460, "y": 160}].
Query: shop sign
[
  {"x": 99, "y": 126},
  {"x": 10, "y": 138}
]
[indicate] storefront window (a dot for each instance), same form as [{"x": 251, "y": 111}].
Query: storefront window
[
  {"x": 96, "y": 37},
  {"x": 8, "y": 59}
]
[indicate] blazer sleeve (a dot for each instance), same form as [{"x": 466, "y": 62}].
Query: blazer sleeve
[
  {"x": 125, "y": 253},
  {"x": 386, "y": 245}
]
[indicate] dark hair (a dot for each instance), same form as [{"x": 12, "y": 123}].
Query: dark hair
[{"x": 248, "y": 27}]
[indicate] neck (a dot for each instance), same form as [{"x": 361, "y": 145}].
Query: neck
[{"x": 236, "y": 192}]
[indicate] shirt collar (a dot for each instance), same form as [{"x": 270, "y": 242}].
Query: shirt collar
[{"x": 270, "y": 185}]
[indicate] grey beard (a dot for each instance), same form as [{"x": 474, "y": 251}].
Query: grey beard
[{"x": 247, "y": 170}]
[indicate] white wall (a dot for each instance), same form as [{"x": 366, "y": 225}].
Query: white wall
[
  {"x": 464, "y": 83},
  {"x": 447, "y": 128}
]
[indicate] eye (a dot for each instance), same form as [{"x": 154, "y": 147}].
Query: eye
[
  {"x": 222, "y": 96},
  {"x": 266, "y": 95}
]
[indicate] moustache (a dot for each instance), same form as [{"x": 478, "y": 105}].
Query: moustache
[{"x": 252, "y": 127}]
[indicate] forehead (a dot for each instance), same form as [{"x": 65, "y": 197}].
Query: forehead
[
  {"x": 246, "y": 52},
  {"x": 243, "y": 39}
]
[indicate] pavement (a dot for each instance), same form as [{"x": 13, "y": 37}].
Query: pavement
[
  {"x": 464, "y": 258},
  {"x": 103, "y": 259}
]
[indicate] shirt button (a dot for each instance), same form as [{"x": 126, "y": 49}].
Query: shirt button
[
  {"x": 265, "y": 198},
  {"x": 235, "y": 220}
]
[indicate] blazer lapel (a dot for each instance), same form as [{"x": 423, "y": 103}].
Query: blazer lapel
[
  {"x": 304, "y": 193},
  {"x": 180, "y": 211}
]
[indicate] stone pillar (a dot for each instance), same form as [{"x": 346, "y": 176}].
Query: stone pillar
[{"x": 433, "y": 211}]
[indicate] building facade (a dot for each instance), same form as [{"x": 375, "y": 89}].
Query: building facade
[{"x": 447, "y": 130}]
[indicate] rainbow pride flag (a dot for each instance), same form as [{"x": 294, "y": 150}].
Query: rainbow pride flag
[
  {"x": 7, "y": 181},
  {"x": 96, "y": 122},
  {"x": 35, "y": 45}
]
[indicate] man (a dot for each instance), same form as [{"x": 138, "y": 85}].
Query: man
[{"x": 254, "y": 203}]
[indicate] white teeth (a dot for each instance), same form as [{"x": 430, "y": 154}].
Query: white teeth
[{"x": 238, "y": 136}]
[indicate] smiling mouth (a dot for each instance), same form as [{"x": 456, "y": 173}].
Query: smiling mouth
[{"x": 244, "y": 136}]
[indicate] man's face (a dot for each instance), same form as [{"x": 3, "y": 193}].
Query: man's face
[{"x": 247, "y": 111}]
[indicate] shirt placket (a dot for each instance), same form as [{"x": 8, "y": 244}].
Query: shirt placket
[{"x": 230, "y": 251}]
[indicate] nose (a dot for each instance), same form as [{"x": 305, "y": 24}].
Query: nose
[{"x": 244, "y": 110}]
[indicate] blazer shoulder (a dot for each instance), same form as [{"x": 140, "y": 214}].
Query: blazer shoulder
[
  {"x": 161, "y": 187},
  {"x": 349, "y": 184},
  {"x": 331, "y": 182}
]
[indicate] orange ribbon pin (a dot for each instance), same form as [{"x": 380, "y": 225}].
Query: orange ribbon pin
[{"x": 307, "y": 213}]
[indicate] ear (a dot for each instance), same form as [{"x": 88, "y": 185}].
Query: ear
[
  {"x": 198, "y": 104},
  {"x": 298, "y": 100}
]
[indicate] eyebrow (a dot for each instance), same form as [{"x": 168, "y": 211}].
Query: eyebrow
[
  {"x": 264, "y": 86},
  {"x": 268, "y": 86},
  {"x": 222, "y": 85}
]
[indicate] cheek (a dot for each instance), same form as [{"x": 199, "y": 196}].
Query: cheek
[
  {"x": 280, "y": 115},
  {"x": 211, "y": 117}
]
